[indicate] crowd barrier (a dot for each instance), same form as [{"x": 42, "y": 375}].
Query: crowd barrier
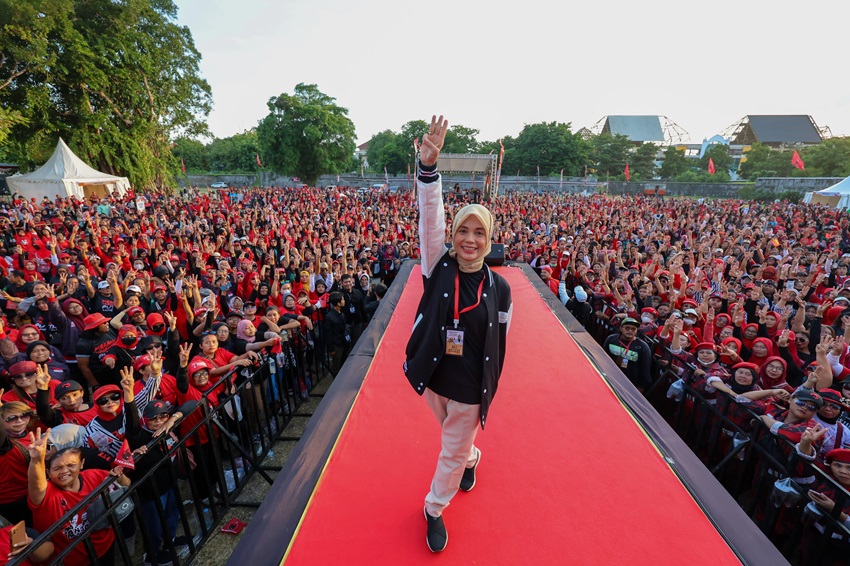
[
  {"x": 763, "y": 472},
  {"x": 228, "y": 450}
]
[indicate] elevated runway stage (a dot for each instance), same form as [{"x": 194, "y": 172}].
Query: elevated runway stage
[{"x": 576, "y": 469}]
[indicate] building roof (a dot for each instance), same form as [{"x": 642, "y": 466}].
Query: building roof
[
  {"x": 768, "y": 129},
  {"x": 636, "y": 128}
]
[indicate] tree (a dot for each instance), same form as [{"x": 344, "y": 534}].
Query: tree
[
  {"x": 609, "y": 154},
  {"x": 116, "y": 80},
  {"x": 306, "y": 134},
  {"x": 192, "y": 152},
  {"x": 460, "y": 139},
  {"x": 829, "y": 159},
  {"x": 719, "y": 154},
  {"x": 236, "y": 153},
  {"x": 675, "y": 163},
  {"x": 642, "y": 161},
  {"x": 551, "y": 146}
]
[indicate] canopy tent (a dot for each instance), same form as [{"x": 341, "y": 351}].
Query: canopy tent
[
  {"x": 66, "y": 175},
  {"x": 836, "y": 196}
]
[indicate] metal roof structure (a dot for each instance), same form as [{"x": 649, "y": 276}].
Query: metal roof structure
[
  {"x": 636, "y": 128},
  {"x": 776, "y": 130}
]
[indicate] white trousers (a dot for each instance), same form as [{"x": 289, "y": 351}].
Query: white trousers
[{"x": 459, "y": 423}]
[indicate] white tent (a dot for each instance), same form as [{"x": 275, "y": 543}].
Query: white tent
[
  {"x": 836, "y": 196},
  {"x": 66, "y": 175}
]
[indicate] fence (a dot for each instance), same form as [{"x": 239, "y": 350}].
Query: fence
[
  {"x": 761, "y": 470},
  {"x": 227, "y": 451}
]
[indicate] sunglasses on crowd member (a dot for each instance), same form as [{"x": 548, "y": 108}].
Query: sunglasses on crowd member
[
  {"x": 27, "y": 375},
  {"x": 158, "y": 327},
  {"x": 159, "y": 417},
  {"x": 806, "y": 404},
  {"x": 153, "y": 347},
  {"x": 21, "y": 417},
  {"x": 106, "y": 399}
]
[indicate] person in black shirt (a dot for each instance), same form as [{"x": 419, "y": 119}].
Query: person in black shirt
[
  {"x": 456, "y": 351},
  {"x": 631, "y": 353},
  {"x": 336, "y": 334},
  {"x": 353, "y": 310}
]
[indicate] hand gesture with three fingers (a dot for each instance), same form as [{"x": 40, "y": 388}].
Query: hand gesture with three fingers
[
  {"x": 185, "y": 350},
  {"x": 432, "y": 142},
  {"x": 42, "y": 377},
  {"x": 127, "y": 383},
  {"x": 38, "y": 444}
]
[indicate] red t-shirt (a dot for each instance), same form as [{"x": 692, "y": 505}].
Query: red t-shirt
[
  {"x": 56, "y": 503},
  {"x": 13, "y": 474},
  {"x": 81, "y": 418}
]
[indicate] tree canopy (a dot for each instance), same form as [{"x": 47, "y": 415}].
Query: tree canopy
[
  {"x": 306, "y": 134},
  {"x": 116, "y": 80},
  {"x": 551, "y": 146}
]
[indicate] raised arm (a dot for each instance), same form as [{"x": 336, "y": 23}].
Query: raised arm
[{"x": 432, "y": 215}]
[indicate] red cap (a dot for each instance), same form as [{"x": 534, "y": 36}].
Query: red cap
[
  {"x": 198, "y": 364},
  {"x": 649, "y": 310},
  {"x": 838, "y": 455},
  {"x": 22, "y": 368},
  {"x": 704, "y": 346},
  {"x": 141, "y": 361},
  {"x": 134, "y": 310},
  {"x": 746, "y": 365},
  {"x": 92, "y": 321}
]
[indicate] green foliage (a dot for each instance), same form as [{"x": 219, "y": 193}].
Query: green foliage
[
  {"x": 460, "y": 139},
  {"x": 642, "y": 161},
  {"x": 723, "y": 162},
  {"x": 609, "y": 154},
  {"x": 114, "y": 79},
  {"x": 762, "y": 161},
  {"x": 236, "y": 153},
  {"x": 700, "y": 176},
  {"x": 828, "y": 159},
  {"x": 306, "y": 134},
  {"x": 551, "y": 146},
  {"x": 675, "y": 163},
  {"x": 750, "y": 192},
  {"x": 193, "y": 153}
]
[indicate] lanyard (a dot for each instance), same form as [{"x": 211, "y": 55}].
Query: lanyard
[{"x": 457, "y": 298}]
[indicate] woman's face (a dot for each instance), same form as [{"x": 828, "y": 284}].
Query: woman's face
[
  {"x": 705, "y": 356},
  {"x": 770, "y": 322},
  {"x": 110, "y": 402},
  {"x": 774, "y": 370},
  {"x": 132, "y": 301},
  {"x": 828, "y": 330},
  {"x": 209, "y": 344},
  {"x": 75, "y": 309},
  {"x": 26, "y": 382},
  {"x": 71, "y": 401},
  {"x": 289, "y": 302},
  {"x": 15, "y": 423},
  {"x": 157, "y": 422},
  {"x": 249, "y": 330},
  {"x": 470, "y": 239},
  {"x": 40, "y": 354},
  {"x": 841, "y": 472},
  {"x": 72, "y": 285},
  {"x": 201, "y": 377},
  {"x": 223, "y": 333},
  {"x": 237, "y": 304},
  {"x": 743, "y": 377},
  {"x": 29, "y": 335},
  {"x": 65, "y": 470},
  {"x": 273, "y": 316}
]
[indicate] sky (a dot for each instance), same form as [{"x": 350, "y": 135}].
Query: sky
[{"x": 497, "y": 65}]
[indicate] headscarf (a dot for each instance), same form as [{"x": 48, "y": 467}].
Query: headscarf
[
  {"x": 766, "y": 382},
  {"x": 106, "y": 390},
  {"x": 759, "y": 361},
  {"x": 240, "y": 331},
  {"x": 19, "y": 343},
  {"x": 68, "y": 436},
  {"x": 724, "y": 359},
  {"x": 483, "y": 215},
  {"x": 77, "y": 320},
  {"x": 741, "y": 389}
]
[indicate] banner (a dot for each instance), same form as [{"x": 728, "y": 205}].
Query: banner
[{"x": 797, "y": 161}]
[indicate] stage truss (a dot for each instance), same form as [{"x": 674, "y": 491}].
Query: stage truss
[{"x": 485, "y": 164}]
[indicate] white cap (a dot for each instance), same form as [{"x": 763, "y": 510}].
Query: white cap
[{"x": 103, "y": 285}]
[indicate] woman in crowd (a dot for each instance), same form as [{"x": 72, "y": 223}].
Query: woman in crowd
[{"x": 16, "y": 422}]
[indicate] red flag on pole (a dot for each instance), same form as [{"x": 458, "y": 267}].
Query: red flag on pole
[
  {"x": 260, "y": 163},
  {"x": 711, "y": 168},
  {"x": 626, "y": 172},
  {"x": 183, "y": 165},
  {"x": 125, "y": 457},
  {"x": 797, "y": 162}
]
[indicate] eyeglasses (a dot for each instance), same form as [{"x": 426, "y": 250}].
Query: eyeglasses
[
  {"x": 158, "y": 417},
  {"x": 21, "y": 417},
  {"x": 154, "y": 347},
  {"x": 845, "y": 386},
  {"x": 26, "y": 375},
  {"x": 105, "y": 400},
  {"x": 805, "y": 404}
]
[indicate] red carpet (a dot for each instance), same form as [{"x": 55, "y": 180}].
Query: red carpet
[{"x": 566, "y": 477}]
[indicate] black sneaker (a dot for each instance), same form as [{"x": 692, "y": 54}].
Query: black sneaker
[
  {"x": 467, "y": 482},
  {"x": 437, "y": 538}
]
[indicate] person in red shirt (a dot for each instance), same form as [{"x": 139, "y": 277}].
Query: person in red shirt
[
  {"x": 15, "y": 424},
  {"x": 71, "y": 407},
  {"x": 69, "y": 484}
]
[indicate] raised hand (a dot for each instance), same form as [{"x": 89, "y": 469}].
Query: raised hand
[
  {"x": 42, "y": 377},
  {"x": 38, "y": 444},
  {"x": 127, "y": 380},
  {"x": 185, "y": 350},
  {"x": 156, "y": 362},
  {"x": 432, "y": 142}
]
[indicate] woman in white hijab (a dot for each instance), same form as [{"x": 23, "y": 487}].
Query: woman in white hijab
[{"x": 457, "y": 348}]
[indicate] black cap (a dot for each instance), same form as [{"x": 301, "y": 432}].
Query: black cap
[
  {"x": 808, "y": 395},
  {"x": 630, "y": 322},
  {"x": 66, "y": 387},
  {"x": 155, "y": 408}
]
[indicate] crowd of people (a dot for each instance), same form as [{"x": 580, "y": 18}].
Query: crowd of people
[{"x": 121, "y": 313}]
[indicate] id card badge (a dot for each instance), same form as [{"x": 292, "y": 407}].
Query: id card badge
[
  {"x": 624, "y": 362},
  {"x": 454, "y": 341}
]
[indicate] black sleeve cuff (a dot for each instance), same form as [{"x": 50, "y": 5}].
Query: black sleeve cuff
[{"x": 428, "y": 173}]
